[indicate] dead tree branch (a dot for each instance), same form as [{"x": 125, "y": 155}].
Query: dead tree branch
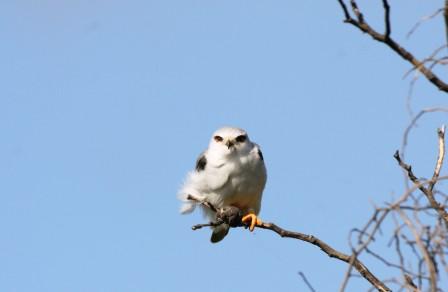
[
  {"x": 385, "y": 38},
  {"x": 428, "y": 191}
]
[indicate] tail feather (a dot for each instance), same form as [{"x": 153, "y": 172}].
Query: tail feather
[
  {"x": 187, "y": 208},
  {"x": 187, "y": 190}
]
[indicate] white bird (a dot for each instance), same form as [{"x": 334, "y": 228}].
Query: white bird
[{"x": 231, "y": 172}]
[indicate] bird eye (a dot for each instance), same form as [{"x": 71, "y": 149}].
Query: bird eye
[
  {"x": 218, "y": 138},
  {"x": 241, "y": 138}
]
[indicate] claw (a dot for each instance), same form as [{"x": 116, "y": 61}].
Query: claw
[{"x": 252, "y": 220}]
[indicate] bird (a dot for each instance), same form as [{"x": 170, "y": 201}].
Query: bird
[{"x": 230, "y": 173}]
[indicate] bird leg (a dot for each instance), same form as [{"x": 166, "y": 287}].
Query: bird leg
[{"x": 252, "y": 220}]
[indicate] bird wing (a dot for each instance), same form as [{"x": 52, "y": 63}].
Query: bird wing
[
  {"x": 260, "y": 154},
  {"x": 203, "y": 183},
  {"x": 201, "y": 162}
]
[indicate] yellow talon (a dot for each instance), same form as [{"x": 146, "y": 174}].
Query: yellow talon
[{"x": 252, "y": 220}]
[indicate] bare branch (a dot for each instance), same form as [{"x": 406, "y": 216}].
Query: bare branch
[
  {"x": 410, "y": 283},
  {"x": 427, "y": 257},
  {"x": 345, "y": 10},
  {"x": 356, "y": 11},
  {"x": 331, "y": 252},
  {"x": 423, "y": 19},
  {"x": 414, "y": 122},
  {"x": 302, "y": 275},
  {"x": 348, "y": 274},
  {"x": 392, "y": 44},
  {"x": 445, "y": 15},
  {"x": 429, "y": 59},
  {"x": 441, "y": 135},
  {"x": 386, "y": 18},
  {"x": 386, "y": 262},
  {"x": 428, "y": 191}
]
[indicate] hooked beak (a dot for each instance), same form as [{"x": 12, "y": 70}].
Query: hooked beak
[{"x": 229, "y": 144}]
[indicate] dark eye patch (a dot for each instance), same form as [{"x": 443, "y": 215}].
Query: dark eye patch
[
  {"x": 218, "y": 138},
  {"x": 241, "y": 138}
]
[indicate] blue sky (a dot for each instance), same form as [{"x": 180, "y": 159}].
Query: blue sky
[{"x": 105, "y": 105}]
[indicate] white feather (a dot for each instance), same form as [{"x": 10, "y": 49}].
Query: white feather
[{"x": 232, "y": 176}]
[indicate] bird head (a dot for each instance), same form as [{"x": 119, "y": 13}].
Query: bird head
[{"x": 230, "y": 140}]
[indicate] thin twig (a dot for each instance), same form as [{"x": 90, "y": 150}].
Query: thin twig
[
  {"x": 356, "y": 11},
  {"x": 427, "y": 257},
  {"x": 445, "y": 16},
  {"x": 410, "y": 283},
  {"x": 345, "y": 10},
  {"x": 435, "y": 176},
  {"x": 308, "y": 284},
  {"x": 386, "y": 262},
  {"x": 387, "y": 28},
  {"x": 423, "y": 19},
  {"x": 404, "y": 142},
  {"x": 348, "y": 273}
]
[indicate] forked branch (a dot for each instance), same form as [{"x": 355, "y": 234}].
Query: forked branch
[{"x": 428, "y": 191}]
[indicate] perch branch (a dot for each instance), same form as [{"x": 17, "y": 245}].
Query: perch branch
[{"x": 331, "y": 252}]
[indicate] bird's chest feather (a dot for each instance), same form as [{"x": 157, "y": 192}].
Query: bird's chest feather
[{"x": 245, "y": 177}]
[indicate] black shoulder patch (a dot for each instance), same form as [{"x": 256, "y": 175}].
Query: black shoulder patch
[
  {"x": 200, "y": 163},
  {"x": 260, "y": 154}
]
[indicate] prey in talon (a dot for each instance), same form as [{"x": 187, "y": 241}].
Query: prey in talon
[{"x": 229, "y": 173}]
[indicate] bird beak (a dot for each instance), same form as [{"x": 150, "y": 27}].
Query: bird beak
[{"x": 229, "y": 144}]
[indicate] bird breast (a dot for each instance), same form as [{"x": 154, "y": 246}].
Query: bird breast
[{"x": 245, "y": 184}]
